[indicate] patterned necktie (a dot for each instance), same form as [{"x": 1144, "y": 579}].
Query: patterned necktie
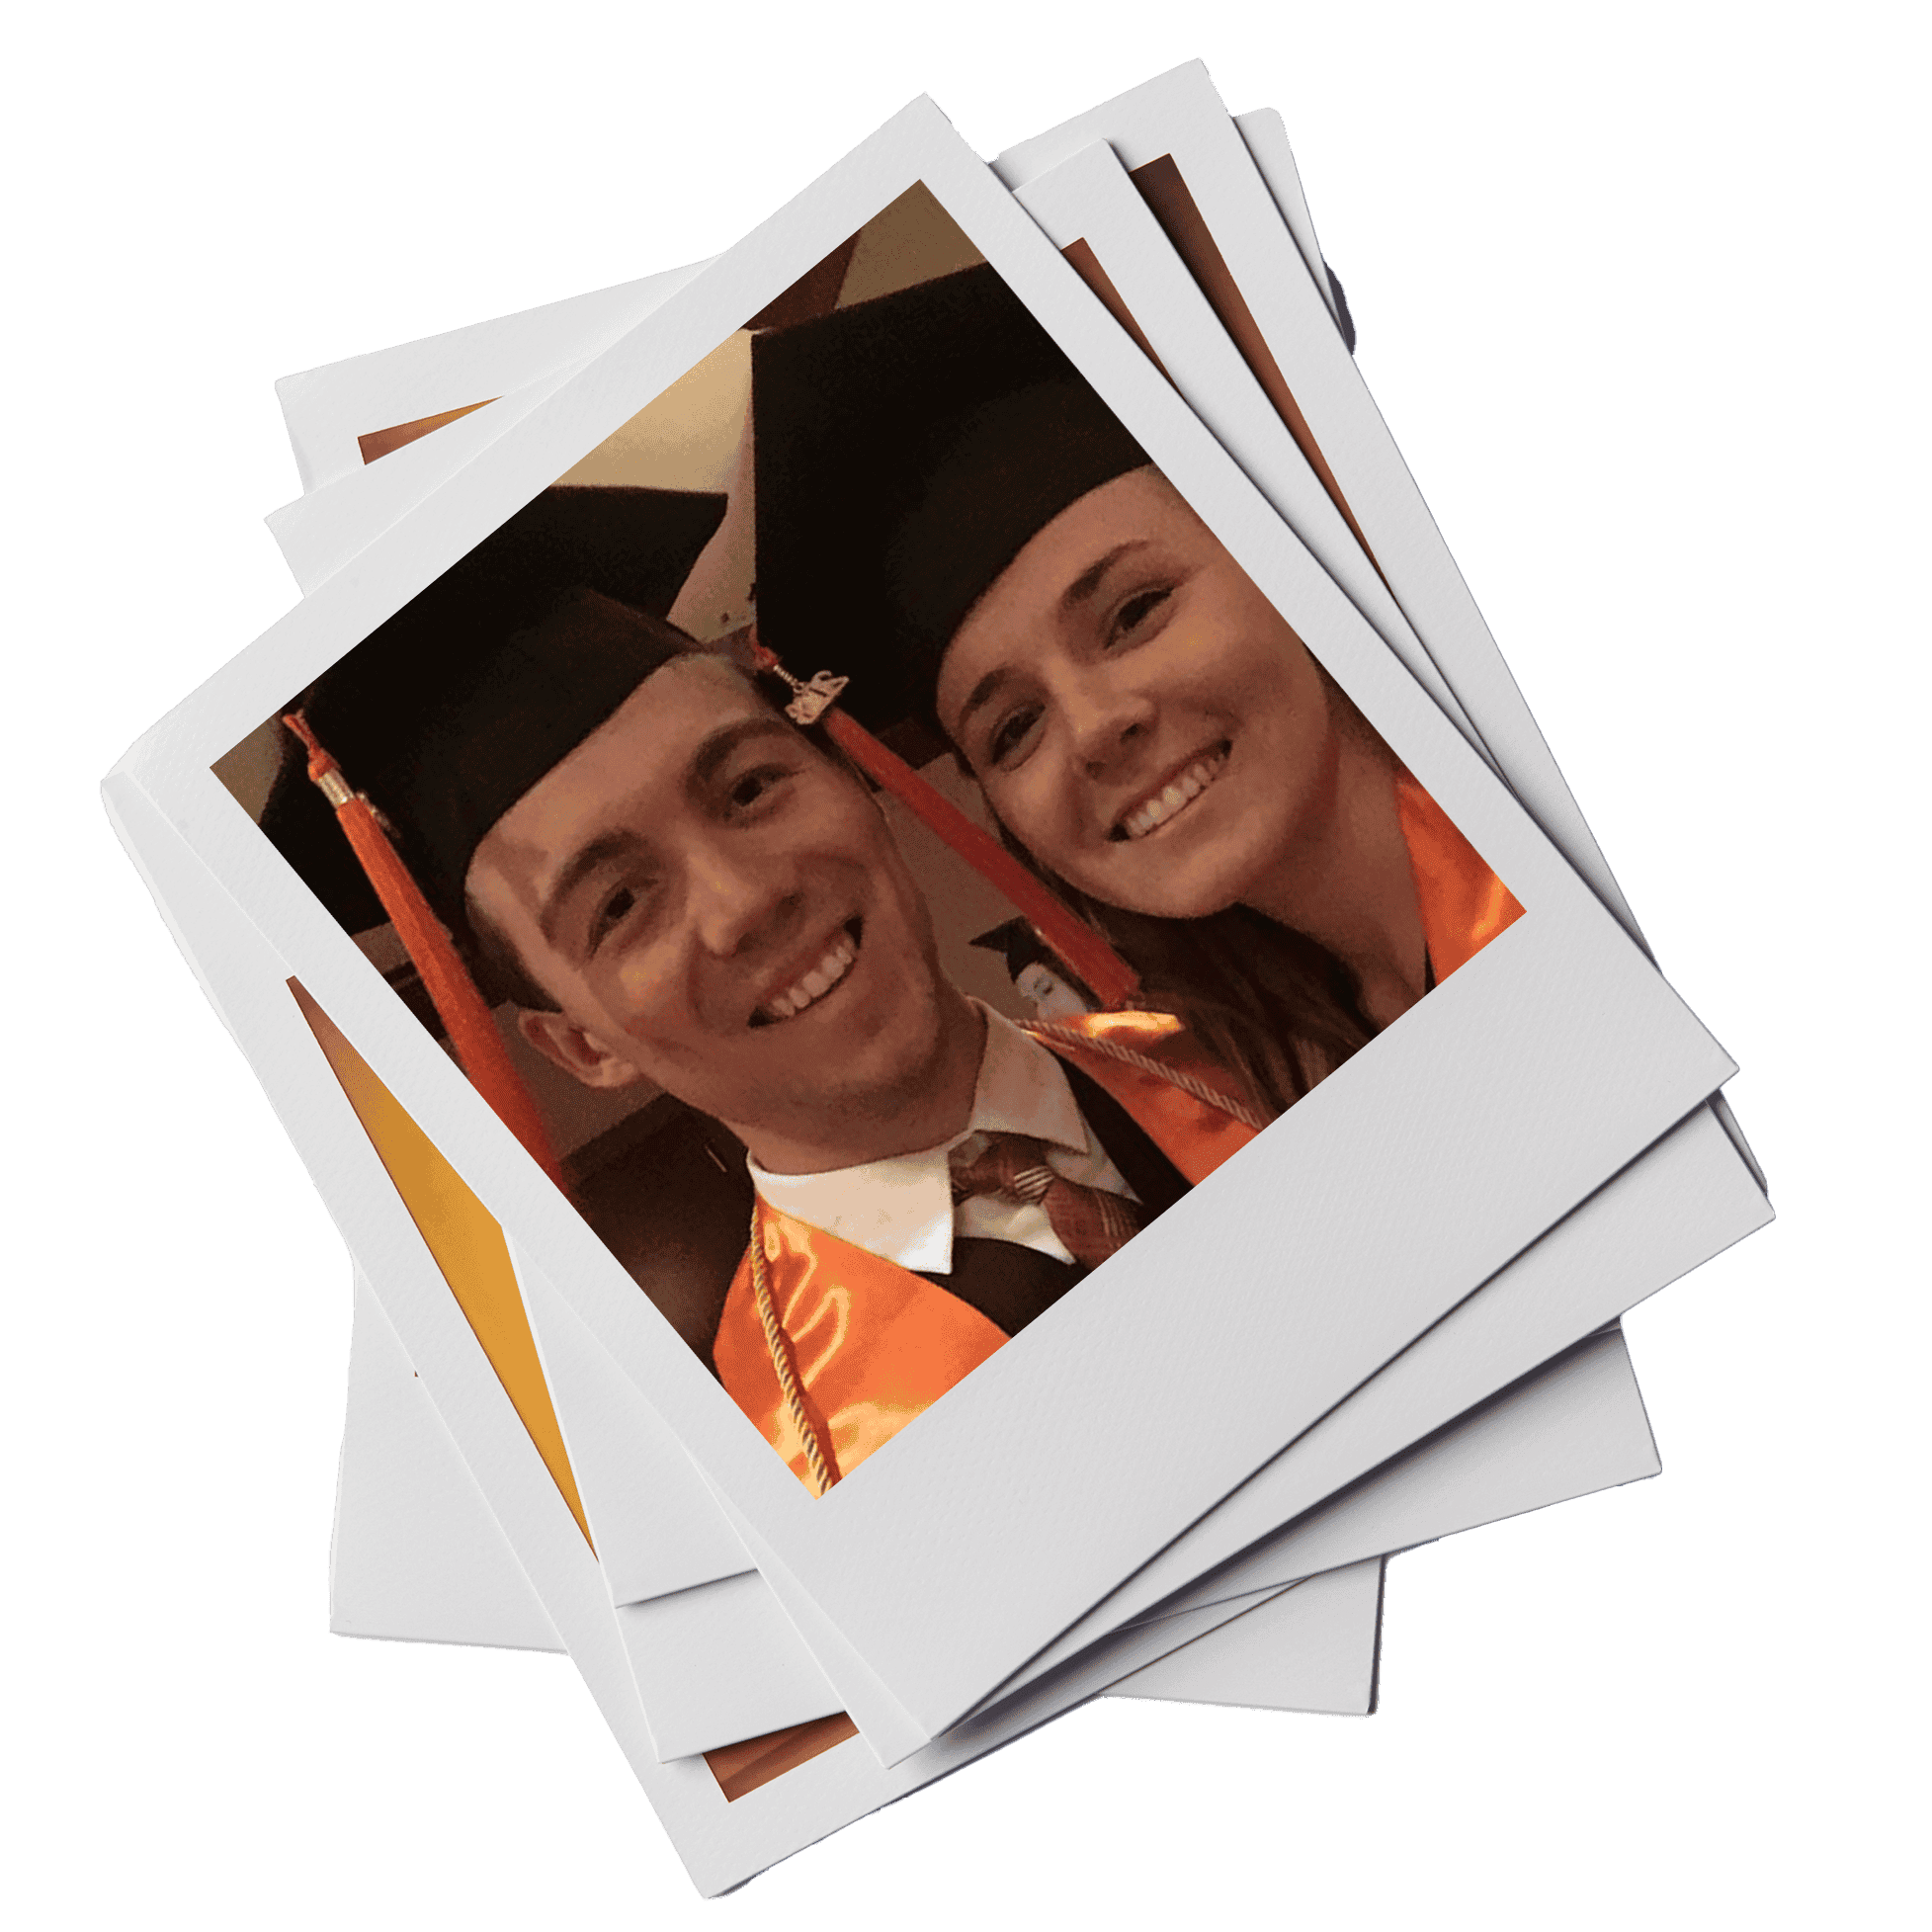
[{"x": 1090, "y": 1223}]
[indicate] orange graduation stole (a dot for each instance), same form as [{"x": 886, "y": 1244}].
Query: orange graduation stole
[
  {"x": 866, "y": 1345},
  {"x": 1465, "y": 905},
  {"x": 871, "y": 1345},
  {"x": 1184, "y": 1102}
]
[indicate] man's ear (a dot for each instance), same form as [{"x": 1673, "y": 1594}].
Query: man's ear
[{"x": 581, "y": 1054}]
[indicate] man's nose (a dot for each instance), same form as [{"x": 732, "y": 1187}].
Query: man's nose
[
  {"x": 739, "y": 904},
  {"x": 1107, "y": 718}
]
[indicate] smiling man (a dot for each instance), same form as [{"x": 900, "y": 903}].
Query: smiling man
[
  {"x": 679, "y": 888},
  {"x": 716, "y": 906}
]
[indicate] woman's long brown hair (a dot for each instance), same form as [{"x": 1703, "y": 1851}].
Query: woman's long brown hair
[
  {"x": 1275, "y": 1007},
  {"x": 1278, "y": 1009}
]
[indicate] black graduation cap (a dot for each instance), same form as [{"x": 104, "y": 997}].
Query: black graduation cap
[
  {"x": 451, "y": 711},
  {"x": 906, "y": 449},
  {"x": 1020, "y": 946}
]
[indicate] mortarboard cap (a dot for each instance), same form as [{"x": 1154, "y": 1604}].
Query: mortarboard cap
[
  {"x": 907, "y": 448},
  {"x": 1020, "y": 943},
  {"x": 1019, "y": 946},
  {"x": 451, "y": 711}
]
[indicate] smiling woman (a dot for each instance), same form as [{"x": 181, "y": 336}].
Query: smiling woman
[
  {"x": 1137, "y": 713},
  {"x": 1148, "y": 729}
]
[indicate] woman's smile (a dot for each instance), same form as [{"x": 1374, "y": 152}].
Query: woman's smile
[{"x": 1173, "y": 795}]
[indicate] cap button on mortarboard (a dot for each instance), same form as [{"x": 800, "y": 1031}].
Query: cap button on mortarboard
[{"x": 907, "y": 450}]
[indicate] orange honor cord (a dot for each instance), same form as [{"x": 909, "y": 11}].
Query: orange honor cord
[
  {"x": 1058, "y": 926},
  {"x": 453, "y": 992}
]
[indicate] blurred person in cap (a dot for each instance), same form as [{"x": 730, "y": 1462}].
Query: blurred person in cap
[
  {"x": 949, "y": 515},
  {"x": 633, "y": 841},
  {"x": 1037, "y": 973}
]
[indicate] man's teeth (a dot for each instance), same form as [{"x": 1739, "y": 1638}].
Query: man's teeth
[
  {"x": 816, "y": 984},
  {"x": 1178, "y": 792}
]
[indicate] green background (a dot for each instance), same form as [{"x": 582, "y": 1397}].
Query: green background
[{"x": 1634, "y": 290}]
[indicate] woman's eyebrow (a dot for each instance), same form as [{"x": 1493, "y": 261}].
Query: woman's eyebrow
[
  {"x": 1090, "y": 579},
  {"x": 1072, "y": 598}
]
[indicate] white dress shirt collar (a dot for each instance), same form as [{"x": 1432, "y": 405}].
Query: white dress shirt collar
[{"x": 902, "y": 1208}]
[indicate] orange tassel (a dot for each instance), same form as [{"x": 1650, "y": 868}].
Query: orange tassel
[
  {"x": 480, "y": 1048},
  {"x": 1060, "y": 928}
]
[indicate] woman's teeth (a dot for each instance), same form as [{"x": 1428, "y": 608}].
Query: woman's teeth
[
  {"x": 816, "y": 984},
  {"x": 1175, "y": 795}
]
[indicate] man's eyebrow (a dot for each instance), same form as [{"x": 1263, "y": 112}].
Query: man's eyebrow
[
  {"x": 1072, "y": 598},
  {"x": 619, "y": 842},
  {"x": 587, "y": 858},
  {"x": 723, "y": 742}
]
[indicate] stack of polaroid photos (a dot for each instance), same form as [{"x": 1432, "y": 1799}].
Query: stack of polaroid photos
[{"x": 968, "y": 1047}]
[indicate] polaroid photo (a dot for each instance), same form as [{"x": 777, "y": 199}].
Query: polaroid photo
[
  {"x": 1493, "y": 1086},
  {"x": 643, "y": 472},
  {"x": 1223, "y": 1587}
]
